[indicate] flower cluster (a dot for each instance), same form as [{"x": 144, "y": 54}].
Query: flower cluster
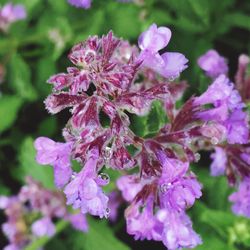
[
  {"x": 233, "y": 159},
  {"x": 10, "y": 13},
  {"x": 30, "y": 214},
  {"x": 110, "y": 82}
]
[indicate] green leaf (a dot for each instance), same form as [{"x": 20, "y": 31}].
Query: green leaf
[
  {"x": 201, "y": 9},
  {"x": 9, "y": 106},
  {"x": 156, "y": 118},
  {"x": 100, "y": 234},
  {"x": 237, "y": 19},
  {"x": 151, "y": 123},
  {"x": 30, "y": 167},
  {"x": 124, "y": 20},
  {"x": 48, "y": 126},
  {"x": 219, "y": 220},
  {"x": 20, "y": 78},
  {"x": 45, "y": 68}
]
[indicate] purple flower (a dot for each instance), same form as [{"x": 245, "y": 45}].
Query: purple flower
[
  {"x": 169, "y": 65},
  {"x": 129, "y": 185},
  {"x": 115, "y": 201},
  {"x": 218, "y": 166},
  {"x": 237, "y": 127},
  {"x": 81, "y": 3},
  {"x": 178, "y": 190},
  {"x": 10, "y": 13},
  {"x": 136, "y": 222},
  {"x": 4, "y": 202},
  {"x": 227, "y": 109},
  {"x": 43, "y": 227},
  {"x": 242, "y": 78},
  {"x": 84, "y": 190},
  {"x": 154, "y": 39},
  {"x": 241, "y": 198},
  {"x": 11, "y": 247},
  {"x": 79, "y": 221},
  {"x": 177, "y": 230},
  {"x": 56, "y": 154},
  {"x": 213, "y": 64}
]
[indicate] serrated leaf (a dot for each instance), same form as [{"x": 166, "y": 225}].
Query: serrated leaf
[
  {"x": 20, "y": 78},
  {"x": 30, "y": 167},
  {"x": 9, "y": 106}
]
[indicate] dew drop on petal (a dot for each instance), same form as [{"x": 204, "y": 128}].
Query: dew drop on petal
[
  {"x": 164, "y": 187},
  {"x": 104, "y": 177},
  {"x": 171, "y": 78},
  {"x": 197, "y": 157},
  {"x": 107, "y": 212},
  {"x": 214, "y": 141},
  {"x": 107, "y": 153}
]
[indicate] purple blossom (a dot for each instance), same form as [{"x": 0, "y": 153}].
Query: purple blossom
[
  {"x": 227, "y": 109},
  {"x": 242, "y": 78},
  {"x": 86, "y": 4},
  {"x": 213, "y": 64},
  {"x": 56, "y": 154},
  {"x": 129, "y": 185},
  {"x": 178, "y": 190},
  {"x": 241, "y": 198},
  {"x": 35, "y": 202},
  {"x": 136, "y": 222},
  {"x": 84, "y": 190},
  {"x": 115, "y": 201},
  {"x": 11, "y": 247},
  {"x": 79, "y": 222},
  {"x": 177, "y": 230},
  {"x": 43, "y": 227},
  {"x": 169, "y": 64},
  {"x": 218, "y": 165},
  {"x": 10, "y": 13}
]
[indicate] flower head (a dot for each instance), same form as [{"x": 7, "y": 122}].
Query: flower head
[
  {"x": 10, "y": 13},
  {"x": 213, "y": 64},
  {"x": 169, "y": 65}
]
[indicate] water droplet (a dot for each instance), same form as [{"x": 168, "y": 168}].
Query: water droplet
[
  {"x": 104, "y": 177},
  {"x": 164, "y": 187},
  {"x": 171, "y": 78},
  {"x": 188, "y": 140},
  {"x": 197, "y": 157},
  {"x": 214, "y": 141},
  {"x": 107, "y": 153},
  {"x": 107, "y": 212},
  {"x": 73, "y": 176}
]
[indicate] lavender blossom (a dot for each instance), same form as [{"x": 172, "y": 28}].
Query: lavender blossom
[
  {"x": 86, "y": 4},
  {"x": 56, "y": 154},
  {"x": 228, "y": 109},
  {"x": 169, "y": 64},
  {"x": 177, "y": 230},
  {"x": 84, "y": 190},
  {"x": 43, "y": 227},
  {"x": 241, "y": 199},
  {"x": 218, "y": 165},
  {"x": 30, "y": 214},
  {"x": 213, "y": 64},
  {"x": 9, "y": 14}
]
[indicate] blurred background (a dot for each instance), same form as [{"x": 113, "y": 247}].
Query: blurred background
[{"x": 36, "y": 47}]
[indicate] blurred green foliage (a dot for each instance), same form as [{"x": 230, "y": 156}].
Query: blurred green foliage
[{"x": 37, "y": 47}]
